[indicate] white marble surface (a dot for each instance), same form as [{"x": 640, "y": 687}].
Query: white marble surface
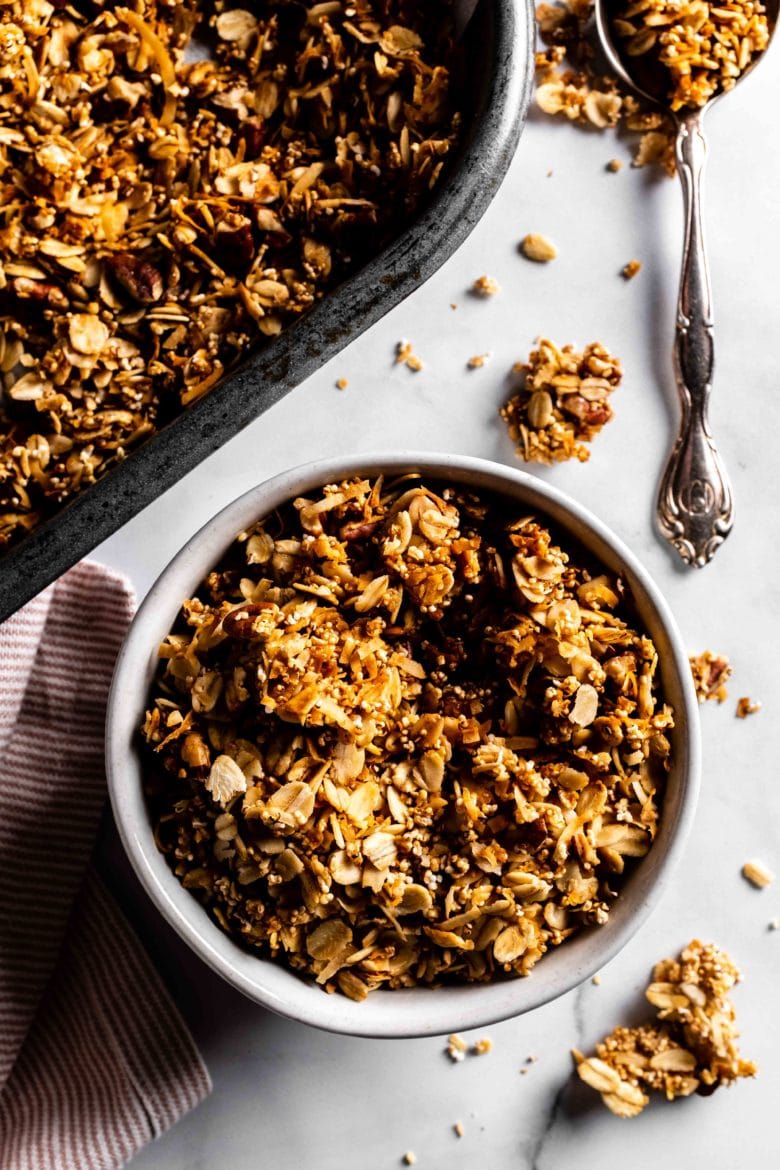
[{"x": 288, "y": 1096}]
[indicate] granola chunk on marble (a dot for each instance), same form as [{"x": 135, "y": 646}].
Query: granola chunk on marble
[
  {"x": 711, "y": 672},
  {"x": 403, "y": 735},
  {"x": 562, "y": 402},
  {"x": 163, "y": 213},
  {"x": 757, "y": 874},
  {"x": 485, "y": 286},
  {"x": 538, "y": 248},
  {"x": 405, "y": 356},
  {"x": 690, "y": 1049}
]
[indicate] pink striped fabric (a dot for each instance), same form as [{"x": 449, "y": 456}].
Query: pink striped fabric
[{"x": 95, "y": 1060}]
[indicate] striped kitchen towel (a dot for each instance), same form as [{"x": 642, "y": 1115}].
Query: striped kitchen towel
[{"x": 95, "y": 1060}]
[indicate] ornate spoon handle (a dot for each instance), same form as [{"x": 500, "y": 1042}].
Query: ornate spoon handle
[{"x": 695, "y": 505}]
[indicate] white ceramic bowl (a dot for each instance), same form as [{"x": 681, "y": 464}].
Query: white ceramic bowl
[{"x": 414, "y": 1011}]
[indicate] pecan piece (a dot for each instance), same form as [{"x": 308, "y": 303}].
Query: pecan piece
[
  {"x": 141, "y": 280},
  {"x": 252, "y": 133},
  {"x": 39, "y": 291},
  {"x": 234, "y": 243}
]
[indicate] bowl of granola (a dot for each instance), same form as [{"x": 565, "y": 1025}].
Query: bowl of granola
[{"x": 417, "y": 730}]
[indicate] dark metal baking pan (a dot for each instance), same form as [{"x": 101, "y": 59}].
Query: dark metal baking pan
[{"x": 498, "y": 75}]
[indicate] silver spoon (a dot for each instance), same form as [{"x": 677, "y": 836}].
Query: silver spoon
[{"x": 695, "y": 506}]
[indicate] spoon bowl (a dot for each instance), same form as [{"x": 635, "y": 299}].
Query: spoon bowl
[{"x": 640, "y": 78}]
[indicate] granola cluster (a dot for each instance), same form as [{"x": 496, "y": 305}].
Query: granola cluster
[
  {"x": 162, "y": 212},
  {"x": 692, "y": 1047},
  {"x": 710, "y": 672},
  {"x": 563, "y": 401},
  {"x": 570, "y": 85},
  {"x": 401, "y": 736},
  {"x": 703, "y": 47}
]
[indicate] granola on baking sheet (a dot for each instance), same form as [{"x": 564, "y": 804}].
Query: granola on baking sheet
[
  {"x": 562, "y": 401},
  {"x": 162, "y": 213},
  {"x": 404, "y": 735},
  {"x": 690, "y": 1049}
]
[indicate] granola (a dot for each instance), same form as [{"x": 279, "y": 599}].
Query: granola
[
  {"x": 570, "y": 86},
  {"x": 747, "y": 706},
  {"x": 405, "y": 356},
  {"x": 690, "y": 1049},
  {"x": 538, "y": 248},
  {"x": 401, "y": 735},
  {"x": 562, "y": 402},
  {"x": 757, "y": 874},
  {"x": 703, "y": 48},
  {"x": 710, "y": 672},
  {"x": 485, "y": 286},
  {"x": 456, "y": 1048},
  {"x": 161, "y": 213}
]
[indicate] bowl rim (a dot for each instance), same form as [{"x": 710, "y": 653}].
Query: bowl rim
[{"x": 414, "y": 1011}]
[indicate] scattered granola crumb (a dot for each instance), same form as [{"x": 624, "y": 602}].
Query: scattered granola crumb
[
  {"x": 596, "y": 980},
  {"x": 341, "y": 384},
  {"x": 774, "y": 923},
  {"x": 692, "y": 1045},
  {"x": 746, "y": 706},
  {"x": 453, "y": 305},
  {"x": 523, "y": 1072},
  {"x": 478, "y": 361},
  {"x": 549, "y": 174},
  {"x": 711, "y": 672},
  {"x": 538, "y": 248},
  {"x": 456, "y": 1048},
  {"x": 570, "y": 88},
  {"x": 614, "y": 165},
  {"x": 405, "y": 355},
  {"x": 482, "y": 1047},
  {"x": 629, "y": 271},
  {"x": 562, "y": 402},
  {"x": 531, "y": 1059},
  {"x": 458, "y": 1128},
  {"x": 485, "y": 286},
  {"x": 409, "y": 1158},
  {"x": 757, "y": 874}
]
